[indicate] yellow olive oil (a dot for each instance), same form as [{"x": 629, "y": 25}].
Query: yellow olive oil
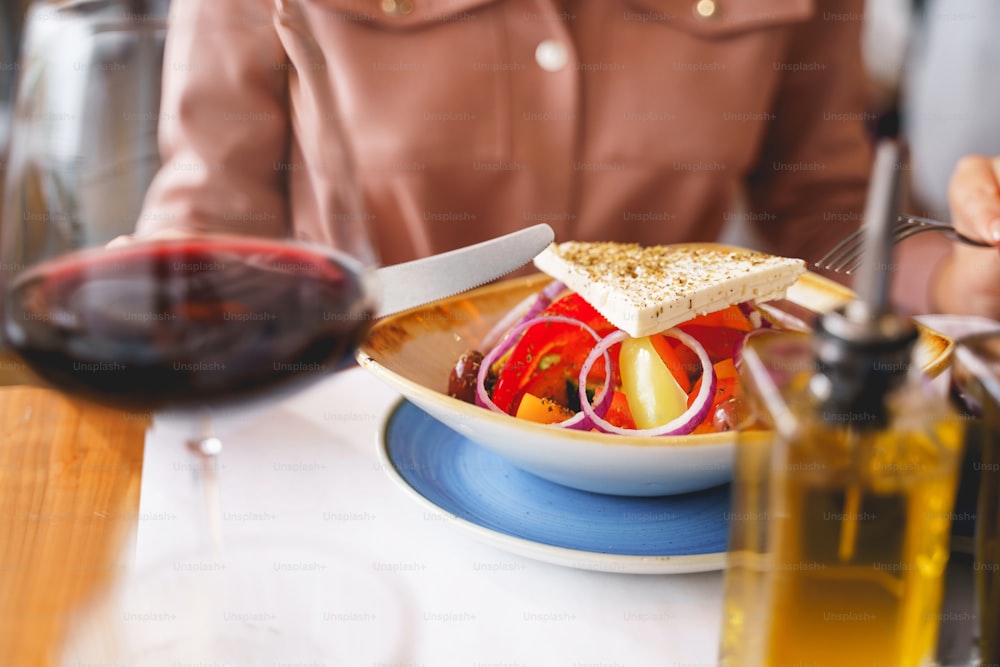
[
  {"x": 860, "y": 544},
  {"x": 839, "y": 530}
]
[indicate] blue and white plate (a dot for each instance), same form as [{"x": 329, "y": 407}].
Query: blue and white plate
[{"x": 498, "y": 503}]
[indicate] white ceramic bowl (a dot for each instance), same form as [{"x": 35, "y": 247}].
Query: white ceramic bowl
[{"x": 414, "y": 352}]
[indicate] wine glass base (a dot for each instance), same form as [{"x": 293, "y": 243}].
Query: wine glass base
[
  {"x": 258, "y": 602},
  {"x": 207, "y": 446}
]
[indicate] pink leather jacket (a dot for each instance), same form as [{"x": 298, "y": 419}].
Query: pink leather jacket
[{"x": 633, "y": 120}]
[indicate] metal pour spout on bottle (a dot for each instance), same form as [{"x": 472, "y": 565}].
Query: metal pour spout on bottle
[
  {"x": 863, "y": 350},
  {"x": 841, "y": 513}
]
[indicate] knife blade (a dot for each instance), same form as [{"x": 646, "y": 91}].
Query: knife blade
[{"x": 410, "y": 284}]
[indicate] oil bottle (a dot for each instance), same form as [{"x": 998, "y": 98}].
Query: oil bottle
[{"x": 841, "y": 512}]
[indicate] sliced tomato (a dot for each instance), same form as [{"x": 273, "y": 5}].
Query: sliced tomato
[
  {"x": 725, "y": 369},
  {"x": 550, "y": 354},
  {"x": 719, "y": 342},
  {"x": 550, "y": 386},
  {"x": 545, "y": 362},
  {"x": 618, "y": 413},
  {"x": 725, "y": 389},
  {"x": 687, "y": 358},
  {"x": 670, "y": 356}
]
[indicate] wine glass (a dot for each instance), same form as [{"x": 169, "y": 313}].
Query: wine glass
[{"x": 193, "y": 323}]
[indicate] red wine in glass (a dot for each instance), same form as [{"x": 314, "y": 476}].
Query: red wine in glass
[{"x": 204, "y": 320}]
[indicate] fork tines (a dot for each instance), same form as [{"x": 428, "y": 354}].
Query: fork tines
[{"x": 846, "y": 256}]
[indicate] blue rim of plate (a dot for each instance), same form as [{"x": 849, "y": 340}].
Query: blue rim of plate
[{"x": 498, "y": 503}]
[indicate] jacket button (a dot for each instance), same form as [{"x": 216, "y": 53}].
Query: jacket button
[
  {"x": 398, "y": 7},
  {"x": 706, "y": 9},
  {"x": 551, "y": 55}
]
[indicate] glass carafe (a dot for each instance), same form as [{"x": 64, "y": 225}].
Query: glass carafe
[{"x": 841, "y": 515}]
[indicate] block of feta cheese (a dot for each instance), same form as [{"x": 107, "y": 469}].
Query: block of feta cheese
[{"x": 647, "y": 289}]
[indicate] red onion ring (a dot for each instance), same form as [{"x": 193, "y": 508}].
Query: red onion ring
[
  {"x": 514, "y": 316},
  {"x": 681, "y": 425},
  {"x": 581, "y": 420},
  {"x": 529, "y": 307}
]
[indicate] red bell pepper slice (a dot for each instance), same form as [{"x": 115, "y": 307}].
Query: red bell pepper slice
[{"x": 549, "y": 355}]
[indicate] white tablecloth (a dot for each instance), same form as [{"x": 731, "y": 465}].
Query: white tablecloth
[
  {"x": 391, "y": 583},
  {"x": 307, "y": 470}
]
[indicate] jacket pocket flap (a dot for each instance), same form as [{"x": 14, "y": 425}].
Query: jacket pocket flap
[
  {"x": 404, "y": 13},
  {"x": 722, "y": 18}
]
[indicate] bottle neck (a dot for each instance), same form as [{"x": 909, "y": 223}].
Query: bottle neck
[{"x": 859, "y": 365}]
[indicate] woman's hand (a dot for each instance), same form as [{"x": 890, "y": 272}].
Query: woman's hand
[
  {"x": 974, "y": 195},
  {"x": 968, "y": 282}
]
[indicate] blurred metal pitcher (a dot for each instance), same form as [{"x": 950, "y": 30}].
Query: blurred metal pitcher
[{"x": 83, "y": 146}]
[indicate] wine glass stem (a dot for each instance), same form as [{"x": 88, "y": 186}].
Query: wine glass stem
[{"x": 206, "y": 448}]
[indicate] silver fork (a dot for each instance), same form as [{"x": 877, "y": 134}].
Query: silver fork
[{"x": 846, "y": 256}]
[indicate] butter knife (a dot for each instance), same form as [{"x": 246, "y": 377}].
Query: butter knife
[{"x": 411, "y": 284}]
